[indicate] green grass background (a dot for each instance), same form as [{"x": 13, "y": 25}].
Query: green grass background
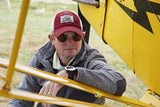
[{"x": 35, "y": 35}]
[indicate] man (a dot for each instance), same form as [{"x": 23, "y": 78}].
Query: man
[{"x": 67, "y": 49}]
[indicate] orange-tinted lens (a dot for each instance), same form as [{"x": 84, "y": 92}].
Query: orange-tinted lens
[
  {"x": 63, "y": 37},
  {"x": 76, "y": 37}
]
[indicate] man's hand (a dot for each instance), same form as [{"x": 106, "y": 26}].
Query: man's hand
[{"x": 51, "y": 88}]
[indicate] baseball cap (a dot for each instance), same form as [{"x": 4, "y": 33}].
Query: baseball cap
[{"x": 66, "y": 21}]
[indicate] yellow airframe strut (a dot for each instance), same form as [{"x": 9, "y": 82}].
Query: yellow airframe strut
[
  {"x": 74, "y": 84},
  {"x": 5, "y": 91},
  {"x": 17, "y": 41}
]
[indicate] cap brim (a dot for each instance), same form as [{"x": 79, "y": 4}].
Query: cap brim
[{"x": 62, "y": 30}]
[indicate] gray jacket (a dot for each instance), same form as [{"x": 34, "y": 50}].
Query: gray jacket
[{"x": 92, "y": 70}]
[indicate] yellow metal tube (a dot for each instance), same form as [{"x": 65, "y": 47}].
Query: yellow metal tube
[
  {"x": 150, "y": 98},
  {"x": 24, "y": 95},
  {"x": 17, "y": 41}
]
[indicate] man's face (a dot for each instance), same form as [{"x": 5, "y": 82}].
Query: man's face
[{"x": 68, "y": 48}]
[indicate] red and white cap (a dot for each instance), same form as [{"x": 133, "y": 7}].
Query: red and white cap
[{"x": 66, "y": 21}]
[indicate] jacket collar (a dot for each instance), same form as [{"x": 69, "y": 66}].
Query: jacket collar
[{"x": 47, "y": 50}]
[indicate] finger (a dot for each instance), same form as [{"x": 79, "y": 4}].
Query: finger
[
  {"x": 57, "y": 87},
  {"x": 46, "y": 105},
  {"x": 51, "y": 88},
  {"x": 41, "y": 91},
  {"x": 44, "y": 89}
]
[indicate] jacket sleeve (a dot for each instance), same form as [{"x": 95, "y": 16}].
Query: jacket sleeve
[
  {"x": 29, "y": 83},
  {"x": 101, "y": 76}
]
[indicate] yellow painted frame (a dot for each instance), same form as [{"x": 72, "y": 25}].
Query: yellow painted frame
[
  {"x": 11, "y": 65},
  {"x": 138, "y": 47}
]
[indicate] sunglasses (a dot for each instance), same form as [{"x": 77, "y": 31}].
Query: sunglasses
[{"x": 63, "y": 37}]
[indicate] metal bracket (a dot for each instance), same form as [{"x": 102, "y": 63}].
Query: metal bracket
[{"x": 89, "y": 2}]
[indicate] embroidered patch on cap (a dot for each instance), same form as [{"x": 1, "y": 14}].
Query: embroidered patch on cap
[{"x": 66, "y": 18}]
